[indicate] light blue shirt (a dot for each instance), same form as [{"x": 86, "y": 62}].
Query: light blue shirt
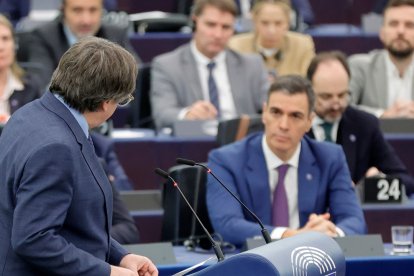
[
  {"x": 71, "y": 37},
  {"x": 77, "y": 115}
]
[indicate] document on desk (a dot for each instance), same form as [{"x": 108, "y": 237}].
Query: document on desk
[{"x": 185, "y": 271}]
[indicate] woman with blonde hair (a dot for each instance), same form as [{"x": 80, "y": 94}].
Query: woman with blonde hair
[
  {"x": 16, "y": 87},
  {"x": 284, "y": 52}
]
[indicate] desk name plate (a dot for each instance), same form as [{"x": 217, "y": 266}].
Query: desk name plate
[{"x": 385, "y": 189}]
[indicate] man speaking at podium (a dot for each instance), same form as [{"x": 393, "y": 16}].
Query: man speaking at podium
[
  {"x": 55, "y": 200},
  {"x": 292, "y": 183}
]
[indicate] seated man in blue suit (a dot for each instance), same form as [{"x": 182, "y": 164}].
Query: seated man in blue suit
[
  {"x": 314, "y": 191},
  {"x": 358, "y": 132},
  {"x": 56, "y": 200}
]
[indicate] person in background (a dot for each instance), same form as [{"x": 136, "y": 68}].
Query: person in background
[
  {"x": 358, "y": 132},
  {"x": 283, "y": 52},
  {"x": 292, "y": 183},
  {"x": 79, "y": 18},
  {"x": 56, "y": 203},
  {"x": 382, "y": 80},
  {"x": 204, "y": 79},
  {"x": 16, "y": 86}
]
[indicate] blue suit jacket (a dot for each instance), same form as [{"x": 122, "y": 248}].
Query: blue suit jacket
[
  {"x": 324, "y": 183},
  {"x": 56, "y": 201}
]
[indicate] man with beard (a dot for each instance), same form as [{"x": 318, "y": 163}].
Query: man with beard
[
  {"x": 367, "y": 153},
  {"x": 382, "y": 81},
  {"x": 78, "y": 18}
]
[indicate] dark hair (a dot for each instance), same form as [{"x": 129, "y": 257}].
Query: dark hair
[
  {"x": 92, "y": 71},
  {"x": 399, "y": 3},
  {"x": 292, "y": 85},
  {"x": 223, "y": 5},
  {"x": 324, "y": 56}
]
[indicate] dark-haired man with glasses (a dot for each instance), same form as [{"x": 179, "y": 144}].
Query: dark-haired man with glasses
[{"x": 358, "y": 132}]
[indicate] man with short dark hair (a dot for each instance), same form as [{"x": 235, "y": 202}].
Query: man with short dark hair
[
  {"x": 203, "y": 79},
  {"x": 78, "y": 18},
  {"x": 358, "y": 132},
  {"x": 291, "y": 182},
  {"x": 56, "y": 200},
  {"x": 382, "y": 80}
]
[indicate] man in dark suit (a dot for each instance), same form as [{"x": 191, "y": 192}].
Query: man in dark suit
[
  {"x": 292, "y": 183},
  {"x": 79, "y": 18},
  {"x": 358, "y": 132},
  {"x": 56, "y": 201},
  {"x": 204, "y": 79}
]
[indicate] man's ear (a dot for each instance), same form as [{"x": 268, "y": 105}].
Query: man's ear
[{"x": 105, "y": 105}]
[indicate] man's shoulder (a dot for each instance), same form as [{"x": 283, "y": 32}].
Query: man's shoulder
[
  {"x": 112, "y": 32},
  {"x": 323, "y": 152},
  {"x": 366, "y": 59},
  {"x": 174, "y": 55},
  {"x": 361, "y": 117},
  {"x": 48, "y": 30},
  {"x": 235, "y": 151}
]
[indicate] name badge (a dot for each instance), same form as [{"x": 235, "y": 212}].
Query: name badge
[{"x": 386, "y": 189}]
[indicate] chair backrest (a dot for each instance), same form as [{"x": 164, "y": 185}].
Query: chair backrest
[
  {"x": 235, "y": 129},
  {"x": 157, "y": 21},
  {"x": 140, "y": 107},
  {"x": 179, "y": 224}
]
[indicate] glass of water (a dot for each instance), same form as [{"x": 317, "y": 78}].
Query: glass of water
[{"x": 402, "y": 239}]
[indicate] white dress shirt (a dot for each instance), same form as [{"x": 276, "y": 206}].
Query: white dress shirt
[
  {"x": 399, "y": 88},
  {"x": 291, "y": 184}
]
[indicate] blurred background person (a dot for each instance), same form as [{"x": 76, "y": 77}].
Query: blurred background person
[
  {"x": 16, "y": 86},
  {"x": 382, "y": 80},
  {"x": 284, "y": 52},
  {"x": 78, "y": 18},
  {"x": 358, "y": 132}
]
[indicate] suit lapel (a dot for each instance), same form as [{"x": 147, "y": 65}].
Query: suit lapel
[
  {"x": 234, "y": 71},
  {"x": 191, "y": 76},
  {"x": 380, "y": 81},
  {"x": 257, "y": 179},
  {"x": 308, "y": 182}
]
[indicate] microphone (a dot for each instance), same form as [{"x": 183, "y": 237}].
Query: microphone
[
  {"x": 215, "y": 245},
  {"x": 264, "y": 231}
]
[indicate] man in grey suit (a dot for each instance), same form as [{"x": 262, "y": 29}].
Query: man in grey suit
[
  {"x": 203, "y": 79},
  {"x": 382, "y": 81},
  {"x": 79, "y": 18}
]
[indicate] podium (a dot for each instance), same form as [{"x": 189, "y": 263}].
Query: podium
[{"x": 305, "y": 254}]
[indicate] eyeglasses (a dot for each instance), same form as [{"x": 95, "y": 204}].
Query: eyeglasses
[{"x": 125, "y": 101}]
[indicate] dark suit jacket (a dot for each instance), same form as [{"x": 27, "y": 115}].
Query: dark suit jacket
[
  {"x": 324, "y": 185},
  {"x": 50, "y": 43},
  {"x": 30, "y": 92},
  {"x": 56, "y": 201},
  {"x": 364, "y": 145}
]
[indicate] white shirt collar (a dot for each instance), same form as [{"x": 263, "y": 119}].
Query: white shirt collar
[
  {"x": 272, "y": 161},
  {"x": 202, "y": 59}
]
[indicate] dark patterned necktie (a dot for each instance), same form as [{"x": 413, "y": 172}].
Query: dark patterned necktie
[
  {"x": 327, "y": 128},
  {"x": 280, "y": 201},
  {"x": 212, "y": 88}
]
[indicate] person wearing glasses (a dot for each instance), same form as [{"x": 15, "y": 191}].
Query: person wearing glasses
[
  {"x": 366, "y": 150},
  {"x": 56, "y": 205}
]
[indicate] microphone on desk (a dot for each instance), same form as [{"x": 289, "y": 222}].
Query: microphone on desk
[
  {"x": 215, "y": 245},
  {"x": 264, "y": 231}
]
